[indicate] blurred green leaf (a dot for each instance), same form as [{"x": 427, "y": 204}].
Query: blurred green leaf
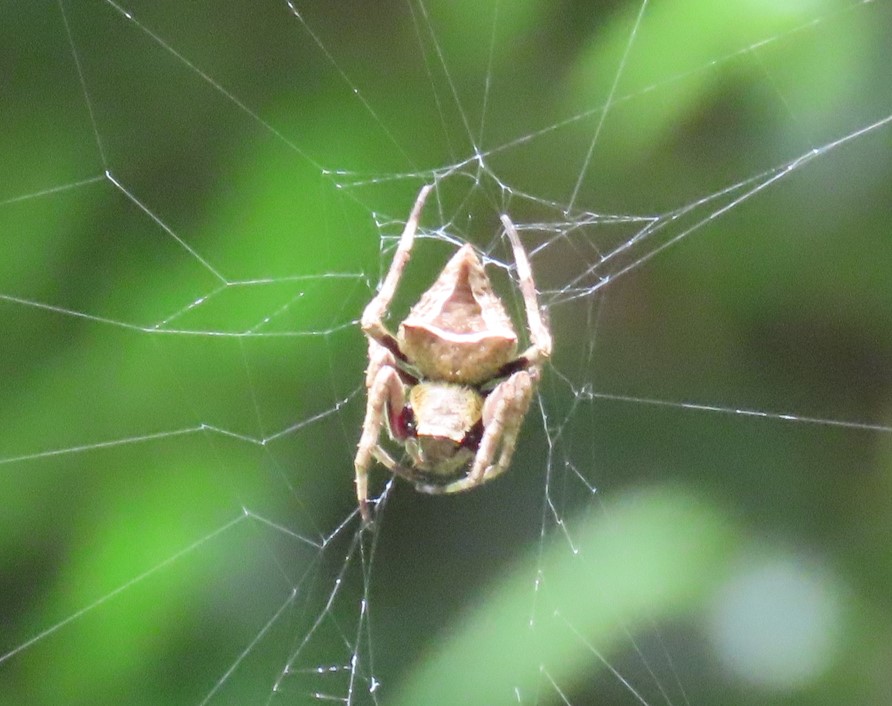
[{"x": 649, "y": 557}]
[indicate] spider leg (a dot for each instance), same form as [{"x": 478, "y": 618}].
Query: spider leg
[
  {"x": 386, "y": 460},
  {"x": 503, "y": 413},
  {"x": 540, "y": 336},
  {"x": 379, "y": 357},
  {"x": 385, "y": 391},
  {"x": 372, "y": 323}
]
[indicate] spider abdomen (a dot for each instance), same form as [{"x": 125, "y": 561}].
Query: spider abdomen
[
  {"x": 462, "y": 358},
  {"x": 459, "y": 330}
]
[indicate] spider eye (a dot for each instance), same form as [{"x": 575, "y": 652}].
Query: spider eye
[{"x": 404, "y": 423}]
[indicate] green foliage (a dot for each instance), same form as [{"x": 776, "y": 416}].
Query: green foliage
[
  {"x": 653, "y": 556},
  {"x": 167, "y": 495}
]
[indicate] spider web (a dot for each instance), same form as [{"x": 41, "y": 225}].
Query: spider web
[{"x": 196, "y": 204}]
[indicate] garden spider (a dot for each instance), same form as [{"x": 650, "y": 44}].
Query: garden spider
[{"x": 450, "y": 385}]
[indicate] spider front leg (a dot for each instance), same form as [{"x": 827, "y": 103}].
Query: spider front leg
[
  {"x": 386, "y": 393},
  {"x": 373, "y": 315},
  {"x": 540, "y": 336},
  {"x": 503, "y": 414}
]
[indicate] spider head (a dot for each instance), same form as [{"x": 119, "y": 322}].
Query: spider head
[{"x": 448, "y": 419}]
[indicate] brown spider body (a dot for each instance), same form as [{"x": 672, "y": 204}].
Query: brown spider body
[
  {"x": 449, "y": 385},
  {"x": 459, "y": 330},
  {"x": 446, "y": 418}
]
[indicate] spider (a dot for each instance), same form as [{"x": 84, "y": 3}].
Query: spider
[{"x": 449, "y": 386}]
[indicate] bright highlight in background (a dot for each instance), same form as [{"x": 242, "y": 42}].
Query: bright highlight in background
[{"x": 776, "y": 623}]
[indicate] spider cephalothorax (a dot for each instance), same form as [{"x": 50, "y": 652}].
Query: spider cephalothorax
[{"x": 450, "y": 385}]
